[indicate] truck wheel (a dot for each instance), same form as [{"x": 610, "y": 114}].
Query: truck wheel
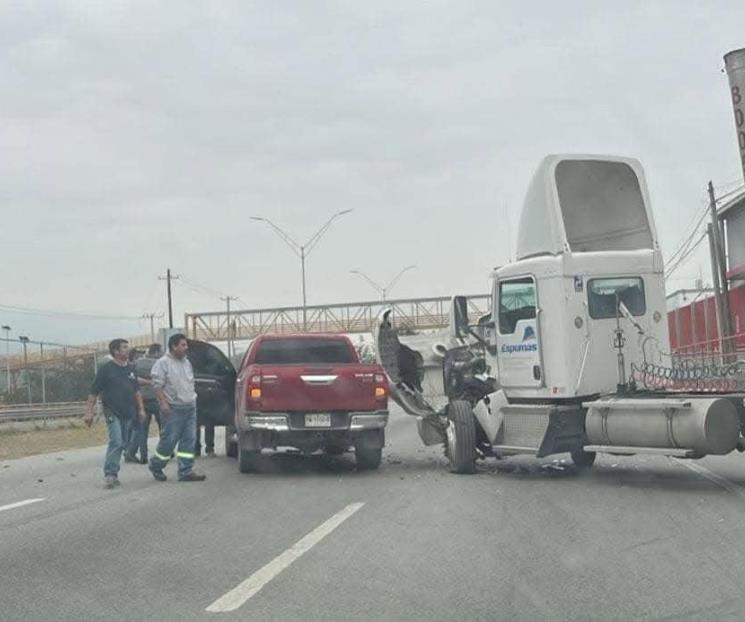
[
  {"x": 334, "y": 450},
  {"x": 367, "y": 459},
  {"x": 460, "y": 447},
  {"x": 249, "y": 461},
  {"x": 231, "y": 445},
  {"x": 583, "y": 459}
]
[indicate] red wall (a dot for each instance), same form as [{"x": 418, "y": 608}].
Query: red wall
[{"x": 694, "y": 326}]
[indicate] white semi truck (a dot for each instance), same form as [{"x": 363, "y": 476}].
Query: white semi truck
[{"x": 577, "y": 332}]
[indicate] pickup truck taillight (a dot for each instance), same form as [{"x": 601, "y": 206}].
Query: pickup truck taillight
[
  {"x": 381, "y": 387},
  {"x": 253, "y": 392}
]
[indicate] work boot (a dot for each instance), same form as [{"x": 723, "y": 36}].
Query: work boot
[
  {"x": 193, "y": 477},
  {"x": 210, "y": 453},
  {"x": 110, "y": 481},
  {"x": 158, "y": 475},
  {"x": 144, "y": 460}
]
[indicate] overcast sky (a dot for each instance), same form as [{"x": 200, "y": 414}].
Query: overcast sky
[{"x": 136, "y": 136}]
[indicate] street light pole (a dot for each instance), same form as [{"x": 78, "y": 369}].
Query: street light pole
[
  {"x": 384, "y": 291},
  {"x": 302, "y": 250},
  {"x": 7, "y": 330}
]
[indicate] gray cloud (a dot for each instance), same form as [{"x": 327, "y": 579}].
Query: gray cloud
[{"x": 135, "y": 136}]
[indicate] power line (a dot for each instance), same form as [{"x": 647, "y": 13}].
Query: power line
[
  {"x": 51, "y": 312},
  {"x": 685, "y": 256},
  {"x": 204, "y": 289},
  {"x": 737, "y": 190},
  {"x": 684, "y": 245}
]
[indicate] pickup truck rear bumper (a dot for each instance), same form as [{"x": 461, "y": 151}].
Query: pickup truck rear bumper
[{"x": 294, "y": 422}]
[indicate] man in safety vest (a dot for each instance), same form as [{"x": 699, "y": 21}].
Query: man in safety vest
[{"x": 172, "y": 378}]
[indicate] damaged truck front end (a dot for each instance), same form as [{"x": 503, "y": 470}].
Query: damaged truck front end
[{"x": 439, "y": 378}]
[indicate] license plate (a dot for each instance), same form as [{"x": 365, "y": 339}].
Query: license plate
[{"x": 318, "y": 421}]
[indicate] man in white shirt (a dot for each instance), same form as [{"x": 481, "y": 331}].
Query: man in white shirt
[{"x": 172, "y": 378}]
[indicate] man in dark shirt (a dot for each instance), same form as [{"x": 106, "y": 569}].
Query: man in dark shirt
[
  {"x": 117, "y": 385},
  {"x": 141, "y": 432}
]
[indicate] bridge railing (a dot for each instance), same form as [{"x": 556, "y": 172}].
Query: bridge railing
[{"x": 356, "y": 317}]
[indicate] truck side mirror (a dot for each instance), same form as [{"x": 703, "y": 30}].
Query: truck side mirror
[{"x": 459, "y": 316}]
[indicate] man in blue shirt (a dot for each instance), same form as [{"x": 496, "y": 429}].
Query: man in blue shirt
[{"x": 117, "y": 385}]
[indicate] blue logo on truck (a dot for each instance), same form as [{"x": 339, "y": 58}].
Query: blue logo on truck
[{"x": 529, "y": 343}]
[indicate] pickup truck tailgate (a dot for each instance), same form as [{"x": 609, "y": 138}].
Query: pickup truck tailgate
[{"x": 316, "y": 388}]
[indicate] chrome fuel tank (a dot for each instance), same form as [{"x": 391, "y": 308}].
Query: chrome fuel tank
[{"x": 705, "y": 425}]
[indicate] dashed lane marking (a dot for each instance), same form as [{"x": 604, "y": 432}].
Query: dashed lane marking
[
  {"x": 19, "y": 504},
  {"x": 251, "y": 586}
]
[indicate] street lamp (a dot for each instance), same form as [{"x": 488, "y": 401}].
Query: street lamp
[
  {"x": 383, "y": 291},
  {"x": 24, "y": 340},
  {"x": 302, "y": 250},
  {"x": 7, "y": 330}
]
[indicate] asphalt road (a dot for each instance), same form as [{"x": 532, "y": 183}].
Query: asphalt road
[{"x": 634, "y": 538}]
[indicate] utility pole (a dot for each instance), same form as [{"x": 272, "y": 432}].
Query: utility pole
[
  {"x": 7, "y": 330},
  {"x": 151, "y": 317},
  {"x": 231, "y": 347},
  {"x": 716, "y": 284},
  {"x": 168, "y": 278},
  {"x": 24, "y": 340},
  {"x": 719, "y": 271},
  {"x": 302, "y": 250},
  {"x": 43, "y": 375}
]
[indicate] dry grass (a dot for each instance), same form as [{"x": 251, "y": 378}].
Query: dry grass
[{"x": 44, "y": 441}]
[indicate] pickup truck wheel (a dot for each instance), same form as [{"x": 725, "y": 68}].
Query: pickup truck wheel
[
  {"x": 367, "y": 459},
  {"x": 249, "y": 461},
  {"x": 334, "y": 450},
  {"x": 583, "y": 459},
  {"x": 460, "y": 447},
  {"x": 231, "y": 445}
]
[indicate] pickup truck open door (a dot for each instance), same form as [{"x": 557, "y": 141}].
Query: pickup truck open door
[{"x": 214, "y": 377}]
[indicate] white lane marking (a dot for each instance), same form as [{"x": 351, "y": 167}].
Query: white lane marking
[
  {"x": 19, "y": 504},
  {"x": 717, "y": 479},
  {"x": 251, "y": 586}
]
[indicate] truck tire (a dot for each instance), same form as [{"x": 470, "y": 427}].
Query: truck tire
[
  {"x": 583, "y": 459},
  {"x": 367, "y": 459},
  {"x": 249, "y": 461},
  {"x": 460, "y": 446},
  {"x": 231, "y": 445},
  {"x": 249, "y": 452},
  {"x": 334, "y": 450}
]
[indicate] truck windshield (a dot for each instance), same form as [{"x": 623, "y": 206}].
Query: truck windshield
[
  {"x": 299, "y": 351},
  {"x": 601, "y": 296}
]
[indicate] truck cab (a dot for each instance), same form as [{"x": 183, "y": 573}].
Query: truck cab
[
  {"x": 587, "y": 247},
  {"x": 572, "y": 321}
]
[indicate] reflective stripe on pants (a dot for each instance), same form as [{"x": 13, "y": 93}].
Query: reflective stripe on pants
[{"x": 179, "y": 428}]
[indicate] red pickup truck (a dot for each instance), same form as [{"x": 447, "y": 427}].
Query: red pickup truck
[{"x": 309, "y": 392}]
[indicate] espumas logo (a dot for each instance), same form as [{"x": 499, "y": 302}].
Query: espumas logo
[{"x": 528, "y": 336}]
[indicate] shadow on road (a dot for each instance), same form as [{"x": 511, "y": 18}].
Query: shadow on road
[{"x": 638, "y": 476}]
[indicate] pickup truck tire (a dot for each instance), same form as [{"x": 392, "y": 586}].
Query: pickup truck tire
[
  {"x": 334, "y": 450},
  {"x": 367, "y": 459},
  {"x": 249, "y": 461},
  {"x": 583, "y": 459},
  {"x": 231, "y": 445},
  {"x": 460, "y": 446}
]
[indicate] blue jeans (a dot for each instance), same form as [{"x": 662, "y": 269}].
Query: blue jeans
[
  {"x": 179, "y": 428},
  {"x": 140, "y": 431},
  {"x": 138, "y": 437},
  {"x": 118, "y": 434}
]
